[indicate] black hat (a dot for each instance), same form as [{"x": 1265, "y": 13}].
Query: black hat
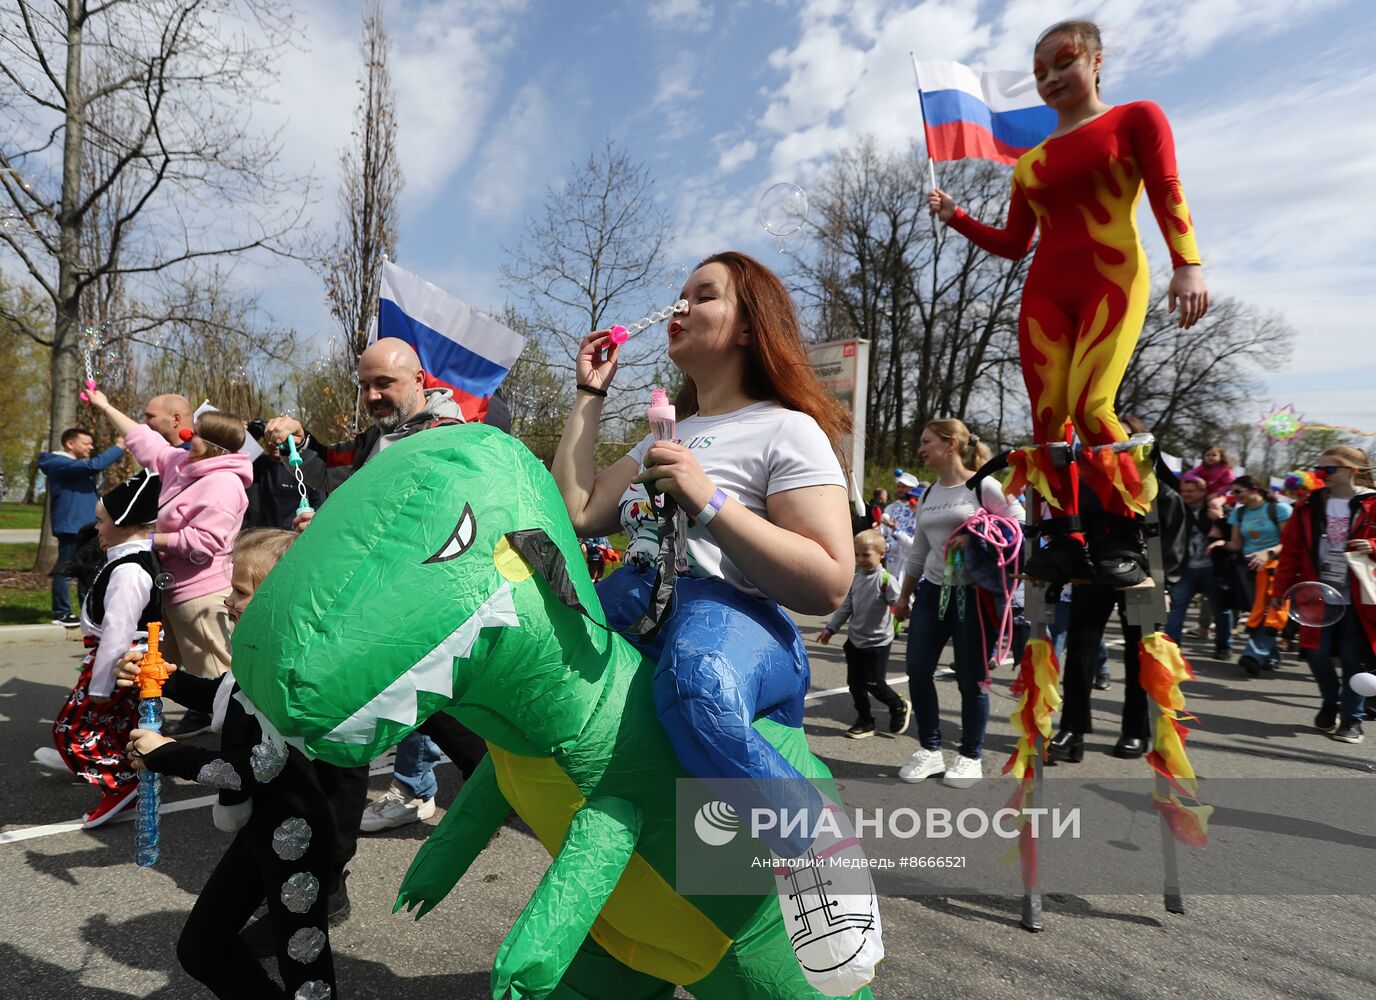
[{"x": 134, "y": 501}]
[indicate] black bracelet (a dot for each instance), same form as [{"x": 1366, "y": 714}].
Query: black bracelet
[{"x": 591, "y": 391}]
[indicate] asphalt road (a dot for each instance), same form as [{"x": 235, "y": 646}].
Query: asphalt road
[{"x": 79, "y": 920}]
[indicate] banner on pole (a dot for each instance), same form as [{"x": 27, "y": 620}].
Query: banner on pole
[{"x": 844, "y": 368}]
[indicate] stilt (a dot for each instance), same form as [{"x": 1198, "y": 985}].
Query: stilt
[
  {"x": 1040, "y": 613},
  {"x": 1145, "y": 607}
]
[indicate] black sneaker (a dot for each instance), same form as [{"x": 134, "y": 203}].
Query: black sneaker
[
  {"x": 1349, "y": 732},
  {"x": 899, "y": 718},
  {"x": 190, "y": 724},
  {"x": 1249, "y": 664},
  {"x": 1102, "y": 682},
  {"x": 66, "y": 621},
  {"x": 339, "y": 906},
  {"x": 1327, "y": 718},
  {"x": 861, "y": 730},
  {"x": 1223, "y": 654}
]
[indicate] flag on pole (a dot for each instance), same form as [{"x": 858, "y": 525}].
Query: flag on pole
[
  {"x": 995, "y": 115},
  {"x": 460, "y": 348}
]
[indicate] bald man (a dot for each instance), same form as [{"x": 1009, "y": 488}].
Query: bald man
[
  {"x": 168, "y": 414},
  {"x": 393, "y": 390}
]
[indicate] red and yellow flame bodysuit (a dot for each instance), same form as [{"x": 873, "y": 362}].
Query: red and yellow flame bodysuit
[{"x": 1086, "y": 292}]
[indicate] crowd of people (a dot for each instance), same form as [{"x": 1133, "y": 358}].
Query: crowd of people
[{"x": 765, "y": 527}]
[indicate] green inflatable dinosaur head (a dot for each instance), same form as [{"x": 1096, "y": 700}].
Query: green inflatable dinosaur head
[{"x": 444, "y": 574}]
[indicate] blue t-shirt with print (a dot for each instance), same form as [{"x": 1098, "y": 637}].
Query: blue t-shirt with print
[{"x": 1258, "y": 530}]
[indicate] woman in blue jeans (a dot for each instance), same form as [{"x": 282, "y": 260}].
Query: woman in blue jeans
[{"x": 948, "y": 448}]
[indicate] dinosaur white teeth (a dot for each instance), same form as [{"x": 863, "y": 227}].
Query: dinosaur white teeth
[{"x": 434, "y": 673}]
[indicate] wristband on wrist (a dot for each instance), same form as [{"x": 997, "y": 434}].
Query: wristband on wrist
[
  {"x": 711, "y": 509},
  {"x": 591, "y": 391}
]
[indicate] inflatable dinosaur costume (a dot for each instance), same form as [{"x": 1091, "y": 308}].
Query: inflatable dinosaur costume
[{"x": 445, "y": 576}]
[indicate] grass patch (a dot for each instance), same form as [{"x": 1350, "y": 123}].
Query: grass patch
[
  {"x": 18, "y": 558},
  {"x": 25, "y": 607},
  {"x": 21, "y": 515},
  {"x": 25, "y": 597}
]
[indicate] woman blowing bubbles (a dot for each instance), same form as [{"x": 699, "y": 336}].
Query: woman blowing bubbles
[
  {"x": 1087, "y": 289},
  {"x": 755, "y": 467}
]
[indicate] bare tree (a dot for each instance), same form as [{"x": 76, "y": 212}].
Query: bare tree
[
  {"x": 1190, "y": 385},
  {"x": 596, "y": 258},
  {"x": 940, "y": 315},
  {"x": 133, "y": 117},
  {"x": 370, "y": 185}
]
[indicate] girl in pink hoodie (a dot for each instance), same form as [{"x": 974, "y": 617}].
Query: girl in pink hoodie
[{"x": 201, "y": 506}]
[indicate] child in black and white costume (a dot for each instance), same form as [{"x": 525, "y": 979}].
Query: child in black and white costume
[
  {"x": 90, "y": 731},
  {"x": 284, "y": 851}
]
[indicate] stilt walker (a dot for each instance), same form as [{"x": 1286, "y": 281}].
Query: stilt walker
[{"x": 1080, "y": 168}]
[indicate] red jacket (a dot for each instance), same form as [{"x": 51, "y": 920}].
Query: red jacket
[{"x": 1299, "y": 554}]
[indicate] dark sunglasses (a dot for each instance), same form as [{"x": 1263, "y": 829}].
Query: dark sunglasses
[{"x": 1328, "y": 470}]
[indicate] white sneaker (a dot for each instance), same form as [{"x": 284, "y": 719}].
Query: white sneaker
[
  {"x": 943, "y": 672},
  {"x": 924, "y": 764},
  {"x": 963, "y": 772},
  {"x": 52, "y": 760},
  {"x": 395, "y": 808}
]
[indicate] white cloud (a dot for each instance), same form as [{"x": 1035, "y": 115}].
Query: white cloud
[
  {"x": 693, "y": 15},
  {"x": 732, "y": 157},
  {"x": 505, "y": 165}
]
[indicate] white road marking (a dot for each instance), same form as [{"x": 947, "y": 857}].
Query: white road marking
[{"x": 200, "y": 802}]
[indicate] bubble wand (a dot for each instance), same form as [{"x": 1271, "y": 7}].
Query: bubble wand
[
  {"x": 294, "y": 463},
  {"x": 621, "y": 334},
  {"x": 90, "y": 350},
  {"x": 152, "y": 676}
]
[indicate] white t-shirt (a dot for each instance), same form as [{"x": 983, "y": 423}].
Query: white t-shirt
[
  {"x": 1333, "y": 543},
  {"x": 751, "y": 453}
]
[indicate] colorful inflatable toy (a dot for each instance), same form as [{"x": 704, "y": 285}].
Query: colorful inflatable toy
[{"x": 445, "y": 576}]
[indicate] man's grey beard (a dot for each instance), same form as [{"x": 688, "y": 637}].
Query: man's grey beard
[{"x": 399, "y": 415}]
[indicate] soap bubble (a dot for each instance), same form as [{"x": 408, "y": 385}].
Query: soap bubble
[
  {"x": 163, "y": 581},
  {"x": 237, "y": 375},
  {"x": 676, "y": 276},
  {"x": 322, "y": 367},
  {"x": 783, "y": 209},
  {"x": 1315, "y": 604}
]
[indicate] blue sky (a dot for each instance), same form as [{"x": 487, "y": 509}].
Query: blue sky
[{"x": 1271, "y": 102}]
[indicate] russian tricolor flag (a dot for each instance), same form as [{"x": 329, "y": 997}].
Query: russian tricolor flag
[
  {"x": 460, "y": 348},
  {"x": 996, "y": 115}
]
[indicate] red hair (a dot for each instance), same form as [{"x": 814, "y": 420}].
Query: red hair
[{"x": 777, "y": 367}]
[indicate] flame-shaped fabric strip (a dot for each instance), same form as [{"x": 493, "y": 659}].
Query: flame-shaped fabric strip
[
  {"x": 1163, "y": 669},
  {"x": 1121, "y": 479},
  {"x": 1032, "y": 467},
  {"x": 1038, "y": 694}
]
